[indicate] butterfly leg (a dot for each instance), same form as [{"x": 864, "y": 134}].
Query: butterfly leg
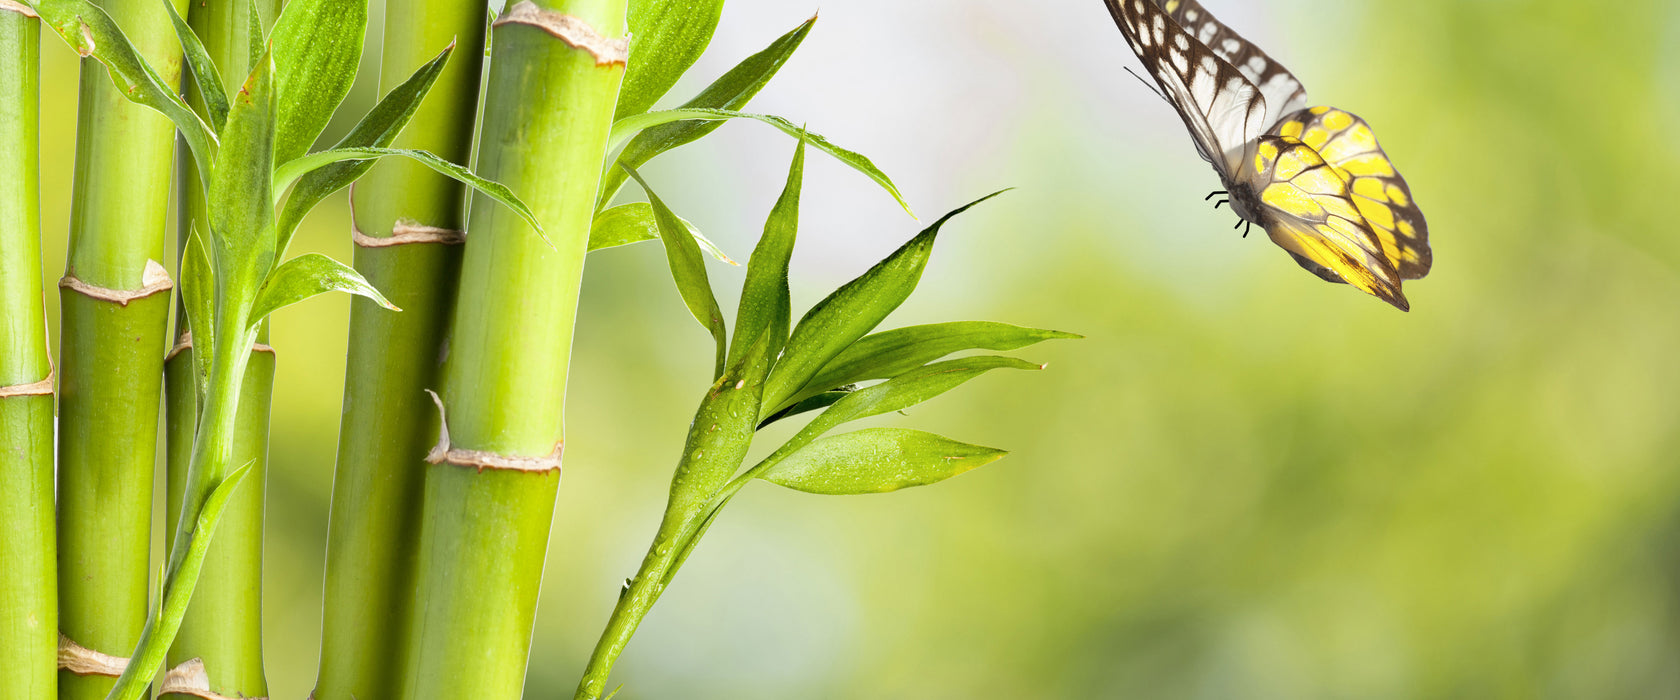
[
  {"x": 1215, "y": 194},
  {"x": 1222, "y": 201},
  {"x": 1250, "y": 227}
]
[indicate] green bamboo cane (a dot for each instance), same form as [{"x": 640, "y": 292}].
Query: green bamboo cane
[
  {"x": 223, "y": 626},
  {"x": 407, "y": 232},
  {"x": 28, "y": 594},
  {"x": 489, "y": 495},
  {"x": 115, "y": 312}
]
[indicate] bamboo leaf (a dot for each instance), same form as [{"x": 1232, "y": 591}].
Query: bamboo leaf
[
  {"x": 241, "y": 212},
  {"x": 896, "y": 394},
  {"x": 255, "y": 44},
  {"x": 650, "y": 121},
  {"x": 303, "y": 165},
  {"x": 688, "y": 269},
  {"x": 203, "y": 69},
  {"x": 891, "y": 353},
  {"x": 309, "y": 275},
  {"x": 667, "y": 36},
  {"x": 877, "y": 460},
  {"x": 851, "y": 312},
  {"x": 732, "y": 91},
  {"x": 765, "y": 301},
  {"x": 378, "y": 129},
  {"x": 634, "y": 223},
  {"x": 92, "y": 33},
  {"x": 317, "y": 45},
  {"x": 198, "y": 288},
  {"x": 160, "y": 630}
]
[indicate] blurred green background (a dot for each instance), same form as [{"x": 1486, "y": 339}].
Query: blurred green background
[{"x": 1244, "y": 483}]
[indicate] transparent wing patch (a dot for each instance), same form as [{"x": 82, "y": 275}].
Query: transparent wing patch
[
  {"x": 1310, "y": 211},
  {"x": 1223, "y": 109},
  {"x": 1282, "y": 91},
  {"x": 1376, "y": 188}
]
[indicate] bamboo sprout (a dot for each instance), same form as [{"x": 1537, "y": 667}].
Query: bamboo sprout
[{"x": 223, "y": 625}]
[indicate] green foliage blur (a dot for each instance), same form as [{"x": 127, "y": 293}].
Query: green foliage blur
[{"x": 1245, "y": 483}]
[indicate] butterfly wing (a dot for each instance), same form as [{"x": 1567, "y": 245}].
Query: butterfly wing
[
  {"x": 1309, "y": 210},
  {"x": 1222, "y": 109},
  {"x": 1346, "y": 141},
  {"x": 1284, "y": 94}
]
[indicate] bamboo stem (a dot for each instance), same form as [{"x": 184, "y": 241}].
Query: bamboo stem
[
  {"x": 389, "y": 423},
  {"x": 115, "y": 309},
  {"x": 28, "y": 594},
  {"x": 553, "y": 86}
]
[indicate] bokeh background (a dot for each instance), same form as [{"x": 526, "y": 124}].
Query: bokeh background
[{"x": 1244, "y": 483}]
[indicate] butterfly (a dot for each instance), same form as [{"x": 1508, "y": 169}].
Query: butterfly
[{"x": 1313, "y": 178}]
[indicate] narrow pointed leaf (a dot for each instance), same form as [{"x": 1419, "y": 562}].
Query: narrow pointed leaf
[
  {"x": 160, "y": 630},
  {"x": 877, "y": 460},
  {"x": 255, "y": 43},
  {"x": 378, "y": 129},
  {"x": 198, "y": 299},
  {"x": 317, "y": 45},
  {"x": 92, "y": 33},
  {"x": 629, "y": 127},
  {"x": 241, "y": 213},
  {"x": 635, "y": 223},
  {"x": 688, "y": 269},
  {"x": 298, "y": 167},
  {"x": 667, "y": 36},
  {"x": 852, "y": 312},
  {"x": 896, "y": 394},
  {"x": 891, "y": 353},
  {"x": 732, "y": 91},
  {"x": 765, "y": 301},
  {"x": 203, "y": 69},
  {"x": 306, "y": 276}
]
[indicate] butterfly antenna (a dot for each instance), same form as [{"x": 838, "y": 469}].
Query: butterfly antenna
[{"x": 1146, "y": 84}]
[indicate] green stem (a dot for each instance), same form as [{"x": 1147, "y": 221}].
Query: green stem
[
  {"x": 112, "y": 350},
  {"x": 633, "y": 605},
  {"x": 223, "y": 626},
  {"x": 389, "y": 423},
  {"x": 549, "y": 108},
  {"x": 28, "y": 596}
]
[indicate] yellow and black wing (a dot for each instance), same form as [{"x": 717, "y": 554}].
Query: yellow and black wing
[
  {"x": 1381, "y": 195},
  {"x": 1280, "y": 88},
  {"x": 1309, "y": 210},
  {"x": 1222, "y": 108}
]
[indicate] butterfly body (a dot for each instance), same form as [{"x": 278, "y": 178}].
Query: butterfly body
[{"x": 1313, "y": 178}]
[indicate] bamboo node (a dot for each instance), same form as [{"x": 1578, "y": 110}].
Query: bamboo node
[
  {"x": 18, "y": 7},
  {"x": 83, "y": 661},
  {"x": 40, "y": 388},
  {"x": 571, "y": 30},
  {"x": 408, "y": 232},
  {"x": 185, "y": 342},
  {"x": 154, "y": 280},
  {"x": 481, "y": 459},
  {"x": 190, "y": 678}
]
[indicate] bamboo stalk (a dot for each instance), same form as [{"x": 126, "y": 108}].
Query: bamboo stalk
[
  {"x": 389, "y": 423},
  {"x": 28, "y": 594},
  {"x": 115, "y": 310},
  {"x": 223, "y": 625},
  {"x": 489, "y": 496}
]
